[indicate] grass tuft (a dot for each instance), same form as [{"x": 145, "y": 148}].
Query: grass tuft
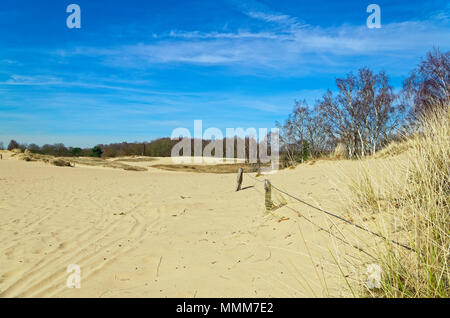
[{"x": 412, "y": 207}]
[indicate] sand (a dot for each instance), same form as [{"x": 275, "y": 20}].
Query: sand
[{"x": 166, "y": 234}]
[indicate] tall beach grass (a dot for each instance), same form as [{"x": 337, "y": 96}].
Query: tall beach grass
[{"x": 411, "y": 204}]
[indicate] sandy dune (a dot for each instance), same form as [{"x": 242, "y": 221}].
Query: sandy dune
[{"x": 165, "y": 234}]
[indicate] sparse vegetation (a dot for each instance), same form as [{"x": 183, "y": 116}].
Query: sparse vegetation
[
  {"x": 71, "y": 161},
  {"x": 139, "y": 159},
  {"x": 414, "y": 209},
  {"x": 213, "y": 168},
  {"x": 100, "y": 162},
  {"x": 60, "y": 163}
]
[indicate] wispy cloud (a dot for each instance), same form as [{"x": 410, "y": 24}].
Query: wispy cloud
[
  {"x": 22, "y": 80},
  {"x": 217, "y": 35},
  {"x": 291, "y": 46},
  {"x": 9, "y": 62}
]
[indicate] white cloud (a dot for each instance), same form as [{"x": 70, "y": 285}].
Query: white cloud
[
  {"x": 9, "y": 62},
  {"x": 31, "y": 80},
  {"x": 219, "y": 35},
  {"x": 290, "y": 47}
]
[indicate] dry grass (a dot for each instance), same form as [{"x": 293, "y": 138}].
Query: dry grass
[
  {"x": 395, "y": 148},
  {"x": 99, "y": 162},
  {"x": 60, "y": 162},
  {"x": 413, "y": 208},
  {"x": 339, "y": 152},
  {"x": 16, "y": 151},
  {"x": 72, "y": 161},
  {"x": 137, "y": 159},
  {"x": 29, "y": 156},
  {"x": 220, "y": 168}
]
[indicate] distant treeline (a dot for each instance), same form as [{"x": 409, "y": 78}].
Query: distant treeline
[
  {"x": 161, "y": 147},
  {"x": 57, "y": 150}
]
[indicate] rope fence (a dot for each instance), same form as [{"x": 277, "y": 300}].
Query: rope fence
[{"x": 268, "y": 186}]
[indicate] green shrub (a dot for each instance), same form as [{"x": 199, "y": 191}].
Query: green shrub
[
  {"x": 76, "y": 152},
  {"x": 97, "y": 151}
]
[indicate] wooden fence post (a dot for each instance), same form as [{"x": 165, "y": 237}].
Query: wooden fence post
[
  {"x": 268, "y": 189},
  {"x": 239, "y": 179}
]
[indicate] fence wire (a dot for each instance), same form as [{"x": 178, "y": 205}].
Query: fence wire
[{"x": 336, "y": 216}]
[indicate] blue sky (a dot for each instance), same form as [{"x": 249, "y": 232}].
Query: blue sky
[{"x": 138, "y": 69}]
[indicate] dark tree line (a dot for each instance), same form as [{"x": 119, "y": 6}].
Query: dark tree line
[
  {"x": 57, "y": 150},
  {"x": 161, "y": 147},
  {"x": 365, "y": 113}
]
